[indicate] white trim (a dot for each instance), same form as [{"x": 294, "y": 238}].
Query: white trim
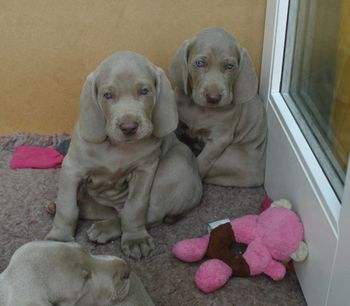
[
  {"x": 298, "y": 58},
  {"x": 339, "y": 288},
  {"x": 272, "y": 59},
  {"x": 307, "y": 159},
  {"x": 272, "y": 63},
  {"x": 286, "y": 177},
  {"x": 292, "y": 170}
]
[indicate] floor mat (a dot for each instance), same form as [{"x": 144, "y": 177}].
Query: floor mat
[{"x": 24, "y": 194}]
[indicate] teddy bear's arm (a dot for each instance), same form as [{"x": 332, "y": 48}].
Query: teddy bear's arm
[
  {"x": 191, "y": 250},
  {"x": 260, "y": 260},
  {"x": 244, "y": 228},
  {"x": 275, "y": 270}
]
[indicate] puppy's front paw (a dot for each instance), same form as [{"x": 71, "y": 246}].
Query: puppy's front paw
[
  {"x": 104, "y": 231},
  {"x": 137, "y": 245},
  {"x": 58, "y": 234}
]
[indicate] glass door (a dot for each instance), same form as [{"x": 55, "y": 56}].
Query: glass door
[
  {"x": 304, "y": 83},
  {"x": 316, "y": 72}
]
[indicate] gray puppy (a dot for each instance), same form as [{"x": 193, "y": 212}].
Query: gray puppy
[
  {"x": 124, "y": 158},
  {"x": 221, "y": 116},
  {"x": 47, "y": 273}
]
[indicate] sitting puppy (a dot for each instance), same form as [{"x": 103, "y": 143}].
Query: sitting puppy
[
  {"x": 130, "y": 169},
  {"x": 47, "y": 273},
  {"x": 221, "y": 116}
]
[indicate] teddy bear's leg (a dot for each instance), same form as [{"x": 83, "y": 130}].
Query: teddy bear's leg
[
  {"x": 257, "y": 257},
  {"x": 191, "y": 250},
  {"x": 212, "y": 275},
  {"x": 275, "y": 270}
]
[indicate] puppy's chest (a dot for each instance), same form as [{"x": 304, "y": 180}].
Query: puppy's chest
[
  {"x": 195, "y": 124},
  {"x": 107, "y": 185},
  {"x": 202, "y": 124},
  {"x": 114, "y": 166}
]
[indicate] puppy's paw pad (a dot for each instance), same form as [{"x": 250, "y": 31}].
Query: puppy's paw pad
[
  {"x": 137, "y": 245},
  {"x": 136, "y": 252}
]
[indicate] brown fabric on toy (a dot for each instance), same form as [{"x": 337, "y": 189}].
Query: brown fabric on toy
[{"x": 220, "y": 242}]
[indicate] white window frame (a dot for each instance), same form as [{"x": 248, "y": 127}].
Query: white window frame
[{"x": 293, "y": 172}]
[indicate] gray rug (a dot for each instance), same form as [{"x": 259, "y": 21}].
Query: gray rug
[{"x": 25, "y": 193}]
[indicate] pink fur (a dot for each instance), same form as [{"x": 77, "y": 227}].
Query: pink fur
[
  {"x": 245, "y": 228},
  {"x": 272, "y": 236},
  {"x": 257, "y": 256},
  {"x": 275, "y": 270},
  {"x": 212, "y": 275},
  {"x": 283, "y": 235},
  {"x": 191, "y": 250}
]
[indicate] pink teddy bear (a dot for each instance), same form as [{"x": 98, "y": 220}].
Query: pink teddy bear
[{"x": 275, "y": 235}]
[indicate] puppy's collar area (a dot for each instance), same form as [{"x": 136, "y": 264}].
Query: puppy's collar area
[
  {"x": 205, "y": 108},
  {"x": 125, "y": 142}
]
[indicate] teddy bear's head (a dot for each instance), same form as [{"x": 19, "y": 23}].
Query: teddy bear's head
[{"x": 281, "y": 232}]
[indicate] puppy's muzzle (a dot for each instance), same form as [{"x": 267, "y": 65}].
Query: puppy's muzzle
[
  {"x": 129, "y": 128},
  {"x": 213, "y": 98}
]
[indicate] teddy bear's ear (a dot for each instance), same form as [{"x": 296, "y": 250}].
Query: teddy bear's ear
[
  {"x": 283, "y": 203},
  {"x": 301, "y": 253}
]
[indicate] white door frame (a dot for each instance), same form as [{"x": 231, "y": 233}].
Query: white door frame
[
  {"x": 339, "y": 291},
  {"x": 293, "y": 172}
]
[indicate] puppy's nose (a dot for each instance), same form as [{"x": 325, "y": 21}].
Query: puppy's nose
[
  {"x": 213, "y": 98},
  {"x": 125, "y": 273},
  {"x": 129, "y": 128}
]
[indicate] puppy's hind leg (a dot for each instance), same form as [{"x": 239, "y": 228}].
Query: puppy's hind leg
[{"x": 177, "y": 187}]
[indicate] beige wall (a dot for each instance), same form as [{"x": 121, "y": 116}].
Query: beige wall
[{"x": 48, "y": 47}]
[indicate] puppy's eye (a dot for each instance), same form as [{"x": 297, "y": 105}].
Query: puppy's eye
[
  {"x": 143, "y": 91},
  {"x": 200, "y": 63},
  {"x": 230, "y": 66},
  {"x": 108, "y": 95}
]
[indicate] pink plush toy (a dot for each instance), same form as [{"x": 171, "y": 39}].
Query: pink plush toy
[{"x": 274, "y": 236}]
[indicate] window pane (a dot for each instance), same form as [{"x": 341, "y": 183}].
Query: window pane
[{"x": 316, "y": 80}]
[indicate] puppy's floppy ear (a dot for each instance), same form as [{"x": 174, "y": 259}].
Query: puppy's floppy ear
[
  {"x": 178, "y": 68},
  {"x": 92, "y": 121},
  {"x": 245, "y": 87},
  {"x": 164, "y": 117}
]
